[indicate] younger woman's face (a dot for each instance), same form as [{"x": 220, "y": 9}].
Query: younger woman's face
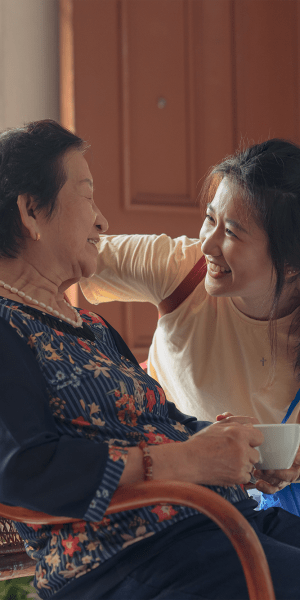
[{"x": 237, "y": 256}]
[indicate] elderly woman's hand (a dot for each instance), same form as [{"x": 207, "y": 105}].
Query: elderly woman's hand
[
  {"x": 224, "y": 453},
  {"x": 221, "y": 454},
  {"x": 273, "y": 481}
]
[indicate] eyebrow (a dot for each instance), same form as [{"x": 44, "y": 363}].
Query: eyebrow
[
  {"x": 87, "y": 180},
  {"x": 231, "y": 222}
]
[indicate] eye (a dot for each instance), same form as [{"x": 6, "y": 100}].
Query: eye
[
  {"x": 230, "y": 233},
  {"x": 209, "y": 218}
]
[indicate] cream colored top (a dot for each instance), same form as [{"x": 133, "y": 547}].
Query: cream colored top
[{"x": 208, "y": 356}]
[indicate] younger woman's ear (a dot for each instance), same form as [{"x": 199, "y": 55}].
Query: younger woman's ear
[{"x": 26, "y": 206}]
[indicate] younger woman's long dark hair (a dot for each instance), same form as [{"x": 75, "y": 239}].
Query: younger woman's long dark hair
[{"x": 268, "y": 174}]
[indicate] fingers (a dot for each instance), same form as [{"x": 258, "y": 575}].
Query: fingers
[
  {"x": 267, "y": 488},
  {"x": 256, "y": 437},
  {"x": 229, "y": 452},
  {"x": 242, "y": 420},
  {"x": 248, "y": 474},
  {"x": 244, "y": 438},
  {"x": 224, "y": 415},
  {"x": 297, "y": 458},
  {"x": 237, "y": 419},
  {"x": 276, "y": 477},
  {"x": 254, "y": 457}
]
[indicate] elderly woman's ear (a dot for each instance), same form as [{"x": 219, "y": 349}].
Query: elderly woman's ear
[{"x": 27, "y": 207}]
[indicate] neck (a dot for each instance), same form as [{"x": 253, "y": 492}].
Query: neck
[
  {"x": 33, "y": 289},
  {"x": 260, "y": 309}
]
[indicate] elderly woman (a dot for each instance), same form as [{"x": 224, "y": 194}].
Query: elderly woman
[{"x": 78, "y": 414}]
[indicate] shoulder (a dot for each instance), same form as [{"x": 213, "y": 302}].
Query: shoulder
[{"x": 18, "y": 321}]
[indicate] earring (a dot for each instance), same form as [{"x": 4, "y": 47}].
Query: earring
[
  {"x": 38, "y": 237},
  {"x": 291, "y": 271}
]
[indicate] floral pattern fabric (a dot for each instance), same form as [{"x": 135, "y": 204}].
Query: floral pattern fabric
[{"x": 95, "y": 393}]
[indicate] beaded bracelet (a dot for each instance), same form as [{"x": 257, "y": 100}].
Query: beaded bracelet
[{"x": 147, "y": 461}]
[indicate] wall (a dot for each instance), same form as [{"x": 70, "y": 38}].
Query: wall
[{"x": 29, "y": 61}]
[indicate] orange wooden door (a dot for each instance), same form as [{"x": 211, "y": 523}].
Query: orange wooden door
[{"x": 162, "y": 90}]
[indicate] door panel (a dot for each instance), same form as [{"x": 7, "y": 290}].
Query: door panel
[{"x": 156, "y": 104}]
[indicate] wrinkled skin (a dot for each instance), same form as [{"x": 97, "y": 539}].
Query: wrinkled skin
[{"x": 270, "y": 481}]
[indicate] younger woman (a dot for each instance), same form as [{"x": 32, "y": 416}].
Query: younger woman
[{"x": 233, "y": 343}]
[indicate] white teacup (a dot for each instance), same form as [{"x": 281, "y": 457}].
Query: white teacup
[{"x": 280, "y": 445}]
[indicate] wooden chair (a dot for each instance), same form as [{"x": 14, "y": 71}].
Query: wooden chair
[{"x": 227, "y": 517}]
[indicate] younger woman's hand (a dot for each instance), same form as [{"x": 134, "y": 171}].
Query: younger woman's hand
[
  {"x": 273, "y": 481},
  {"x": 236, "y": 419},
  {"x": 224, "y": 415}
]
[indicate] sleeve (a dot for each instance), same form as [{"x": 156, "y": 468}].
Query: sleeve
[
  {"x": 187, "y": 420},
  {"x": 40, "y": 469},
  {"x": 140, "y": 268}
]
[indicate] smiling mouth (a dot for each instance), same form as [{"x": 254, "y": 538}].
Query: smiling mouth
[
  {"x": 217, "y": 268},
  {"x": 216, "y": 271}
]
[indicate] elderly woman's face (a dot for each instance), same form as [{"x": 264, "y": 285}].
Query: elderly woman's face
[{"x": 74, "y": 229}]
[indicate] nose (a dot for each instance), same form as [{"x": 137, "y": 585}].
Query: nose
[
  {"x": 101, "y": 222},
  {"x": 210, "y": 242}
]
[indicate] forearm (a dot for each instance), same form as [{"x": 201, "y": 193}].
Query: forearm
[
  {"x": 56, "y": 475},
  {"x": 167, "y": 461},
  {"x": 124, "y": 271},
  {"x": 221, "y": 454}
]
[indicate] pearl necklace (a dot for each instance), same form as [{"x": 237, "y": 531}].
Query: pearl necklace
[{"x": 14, "y": 290}]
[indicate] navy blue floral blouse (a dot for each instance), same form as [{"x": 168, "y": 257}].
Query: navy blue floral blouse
[{"x": 72, "y": 405}]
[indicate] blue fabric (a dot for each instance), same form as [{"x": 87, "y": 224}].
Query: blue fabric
[
  {"x": 200, "y": 563},
  {"x": 289, "y": 497},
  {"x": 291, "y": 407}
]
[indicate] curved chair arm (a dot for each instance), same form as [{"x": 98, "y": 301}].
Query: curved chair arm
[{"x": 224, "y": 514}]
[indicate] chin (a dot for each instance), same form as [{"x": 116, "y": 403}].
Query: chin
[
  {"x": 87, "y": 270},
  {"x": 211, "y": 289},
  {"x": 215, "y": 291}
]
